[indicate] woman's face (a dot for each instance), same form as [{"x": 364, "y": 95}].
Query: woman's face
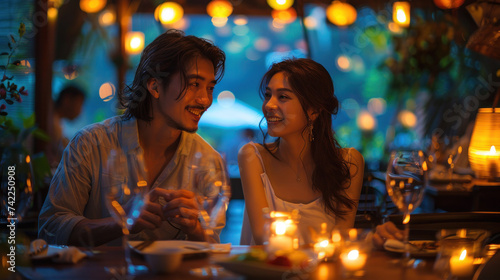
[{"x": 282, "y": 108}]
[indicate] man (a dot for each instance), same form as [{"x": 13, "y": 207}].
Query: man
[
  {"x": 68, "y": 105},
  {"x": 172, "y": 88}
]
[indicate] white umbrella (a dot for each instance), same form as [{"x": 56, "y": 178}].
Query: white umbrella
[{"x": 235, "y": 115}]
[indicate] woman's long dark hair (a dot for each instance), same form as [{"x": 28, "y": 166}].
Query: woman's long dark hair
[
  {"x": 169, "y": 53},
  {"x": 313, "y": 86}
]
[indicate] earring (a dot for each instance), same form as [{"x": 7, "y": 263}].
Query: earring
[{"x": 311, "y": 135}]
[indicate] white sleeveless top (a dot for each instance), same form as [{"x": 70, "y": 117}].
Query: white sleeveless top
[{"x": 312, "y": 214}]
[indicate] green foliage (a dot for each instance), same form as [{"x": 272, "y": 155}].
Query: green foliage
[{"x": 9, "y": 90}]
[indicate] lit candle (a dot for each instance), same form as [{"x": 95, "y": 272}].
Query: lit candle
[
  {"x": 324, "y": 249},
  {"x": 279, "y": 240},
  {"x": 488, "y": 160},
  {"x": 353, "y": 260},
  {"x": 461, "y": 266}
]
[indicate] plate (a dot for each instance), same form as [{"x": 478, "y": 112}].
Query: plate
[
  {"x": 52, "y": 251},
  {"x": 418, "y": 250},
  {"x": 256, "y": 269},
  {"x": 186, "y": 247}
]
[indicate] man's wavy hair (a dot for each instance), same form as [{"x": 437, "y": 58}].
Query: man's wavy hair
[{"x": 168, "y": 54}]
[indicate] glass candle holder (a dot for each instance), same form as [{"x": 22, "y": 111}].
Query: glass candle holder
[
  {"x": 354, "y": 251},
  {"x": 281, "y": 231},
  {"x": 457, "y": 250},
  {"x": 324, "y": 247}
]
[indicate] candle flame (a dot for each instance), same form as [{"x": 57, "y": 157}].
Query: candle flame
[
  {"x": 280, "y": 228},
  {"x": 493, "y": 150},
  {"x": 463, "y": 255},
  {"x": 353, "y": 255},
  {"x": 323, "y": 243},
  {"x": 406, "y": 220},
  {"x": 424, "y": 165}
]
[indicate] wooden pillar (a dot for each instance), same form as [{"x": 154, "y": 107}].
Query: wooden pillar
[
  {"x": 123, "y": 18},
  {"x": 44, "y": 57}
]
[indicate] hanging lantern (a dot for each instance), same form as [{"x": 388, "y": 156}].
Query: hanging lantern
[
  {"x": 134, "y": 42},
  {"x": 219, "y": 8},
  {"x": 401, "y": 13},
  {"x": 280, "y": 4},
  {"x": 169, "y": 12},
  {"x": 92, "y": 6},
  {"x": 448, "y": 4},
  {"x": 285, "y": 16},
  {"x": 341, "y": 14}
]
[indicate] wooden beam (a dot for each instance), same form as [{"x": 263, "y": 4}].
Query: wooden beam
[{"x": 44, "y": 57}]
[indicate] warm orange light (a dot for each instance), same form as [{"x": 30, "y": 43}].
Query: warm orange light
[
  {"x": 219, "y": 8},
  {"x": 219, "y": 22},
  {"x": 401, "y": 13},
  {"x": 366, "y": 121},
  {"x": 484, "y": 148},
  {"x": 169, "y": 12},
  {"x": 280, "y": 4},
  {"x": 52, "y": 13},
  {"x": 134, "y": 42},
  {"x": 92, "y": 6},
  {"x": 341, "y": 14},
  {"x": 448, "y": 4},
  {"x": 107, "y": 17},
  {"x": 407, "y": 119},
  {"x": 285, "y": 16}
]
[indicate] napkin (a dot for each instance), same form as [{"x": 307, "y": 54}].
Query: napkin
[
  {"x": 61, "y": 254},
  {"x": 394, "y": 244},
  {"x": 69, "y": 255}
]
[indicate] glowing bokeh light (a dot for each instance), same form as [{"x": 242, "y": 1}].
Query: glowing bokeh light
[
  {"x": 366, "y": 121},
  {"x": 401, "y": 13},
  {"x": 52, "y": 13},
  {"x": 226, "y": 99},
  {"x": 262, "y": 44},
  {"x": 219, "y": 8},
  {"x": 134, "y": 42},
  {"x": 377, "y": 106},
  {"x": 240, "y": 20},
  {"x": 92, "y": 6},
  {"x": 107, "y": 17},
  {"x": 448, "y": 4},
  {"x": 107, "y": 92},
  {"x": 344, "y": 63},
  {"x": 285, "y": 16},
  {"x": 219, "y": 22},
  {"x": 407, "y": 119},
  {"x": 341, "y": 14},
  {"x": 169, "y": 13},
  {"x": 280, "y": 4},
  {"x": 310, "y": 22}
]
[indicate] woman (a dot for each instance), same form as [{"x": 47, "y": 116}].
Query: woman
[{"x": 305, "y": 168}]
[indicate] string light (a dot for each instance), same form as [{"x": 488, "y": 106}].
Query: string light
[
  {"x": 341, "y": 14},
  {"x": 92, "y": 6},
  {"x": 280, "y": 4},
  {"x": 169, "y": 13},
  {"x": 134, "y": 42}
]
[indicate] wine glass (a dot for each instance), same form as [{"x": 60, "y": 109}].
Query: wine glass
[
  {"x": 126, "y": 189},
  {"x": 406, "y": 180},
  {"x": 212, "y": 189}
]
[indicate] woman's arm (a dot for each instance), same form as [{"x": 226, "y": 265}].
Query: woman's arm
[
  {"x": 253, "y": 189},
  {"x": 356, "y": 169}
]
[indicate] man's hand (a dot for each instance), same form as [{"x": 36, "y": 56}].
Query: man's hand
[
  {"x": 182, "y": 209},
  {"x": 386, "y": 231},
  {"x": 151, "y": 217}
]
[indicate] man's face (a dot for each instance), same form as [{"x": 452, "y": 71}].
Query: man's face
[{"x": 185, "y": 113}]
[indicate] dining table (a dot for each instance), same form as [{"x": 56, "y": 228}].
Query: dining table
[{"x": 380, "y": 265}]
